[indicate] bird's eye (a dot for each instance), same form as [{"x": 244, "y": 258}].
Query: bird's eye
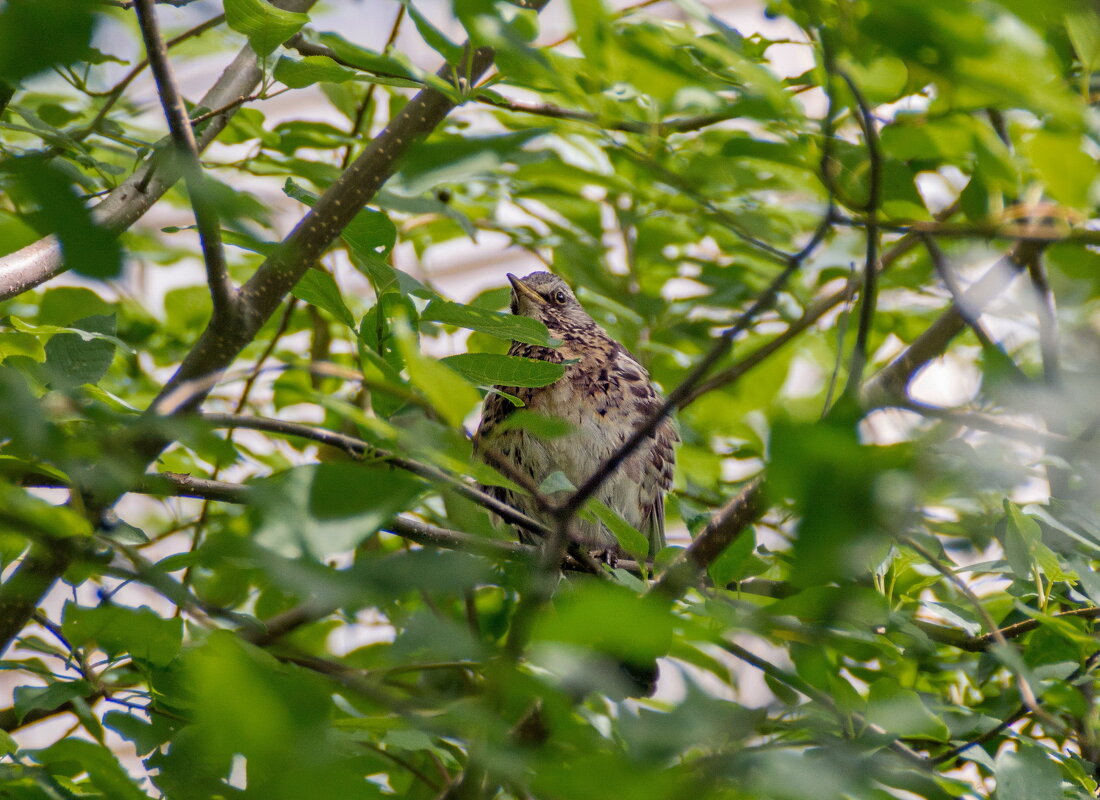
[{"x": 559, "y": 297}]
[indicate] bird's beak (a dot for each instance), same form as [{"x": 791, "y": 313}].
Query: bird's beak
[{"x": 521, "y": 288}]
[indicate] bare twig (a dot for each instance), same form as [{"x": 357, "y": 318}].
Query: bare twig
[
  {"x": 114, "y": 94},
  {"x": 1057, "y": 476},
  {"x": 870, "y": 272},
  {"x": 222, "y": 291},
  {"x": 891, "y": 381},
  {"x": 677, "y": 125},
  {"x": 358, "y": 448},
  {"x": 987, "y": 423}
]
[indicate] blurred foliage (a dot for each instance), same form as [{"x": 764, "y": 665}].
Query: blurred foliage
[{"x": 911, "y": 617}]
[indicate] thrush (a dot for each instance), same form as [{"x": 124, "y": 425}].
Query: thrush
[{"x": 604, "y": 396}]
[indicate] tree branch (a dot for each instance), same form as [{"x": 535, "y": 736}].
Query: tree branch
[
  {"x": 123, "y": 206},
  {"x": 891, "y": 381},
  {"x": 222, "y": 291},
  {"x": 868, "y": 295},
  {"x": 358, "y": 448}
]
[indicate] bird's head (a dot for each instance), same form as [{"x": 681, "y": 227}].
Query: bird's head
[{"x": 548, "y": 298}]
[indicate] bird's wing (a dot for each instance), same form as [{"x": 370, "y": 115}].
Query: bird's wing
[
  {"x": 656, "y": 460},
  {"x": 661, "y": 459}
]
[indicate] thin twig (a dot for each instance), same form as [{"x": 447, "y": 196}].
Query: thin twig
[
  {"x": 358, "y": 448},
  {"x": 987, "y": 423},
  {"x": 222, "y": 292},
  {"x": 870, "y": 273},
  {"x": 115, "y": 92},
  {"x": 368, "y": 97},
  {"x": 1057, "y": 476},
  {"x": 1026, "y": 694}
]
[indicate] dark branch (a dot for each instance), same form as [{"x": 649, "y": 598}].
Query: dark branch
[
  {"x": 39, "y": 262},
  {"x": 357, "y": 448},
  {"x": 869, "y": 292},
  {"x": 187, "y": 150}
]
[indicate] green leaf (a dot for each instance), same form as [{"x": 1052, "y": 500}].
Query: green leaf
[
  {"x": 1024, "y": 547},
  {"x": 370, "y": 235},
  {"x": 610, "y": 619},
  {"x": 319, "y": 288},
  {"x": 1083, "y": 27},
  {"x": 141, "y": 632},
  {"x": 62, "y": 32},
  {"x": 22, "y": 512},
  {"x": 729, "y": 566},
  {"x": 146, "y": 735},
  {"x": 322, "y": 509},
  {"x": 21, "y": 344},
  {"x": 1066, "y": 169},
  {"x": 452, "y": 159},
  {"x": 88, "y": 248},
  {"x": 1027, "y": 774},
  {"x": 901, "y": 711},
  {"x": 381, "y": 66},
  {"x": 66, "y": 304},
  {"x": 8, "y": 745},
  {"x": 298, "y": 73},
  {"x": 432, "y": 36},
  {"x": 266, "y": 26},
  {"x": 630, "y": 539},
  {"x": 75, "y": 329},
  {"x": 831, "y": 476},
  {"x": 555, "y": 482},
  {"x": 510, "y": 327},
  {"x": 488, "y": 369},
  {"x": 72, "y": 359},
  {"x": 47, "y": 698},
  {"x": 103, "y": 768},
  {"x": 448, "y": 392},
  {"x": 540, "y": 425}
]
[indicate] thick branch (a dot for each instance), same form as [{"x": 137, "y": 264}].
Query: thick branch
[
  {"x": 187, "y": 150},
  {"x": 891, "y": 381},
  {"x": 39, "y": 262},
  {"x": 218, "y": 346}
]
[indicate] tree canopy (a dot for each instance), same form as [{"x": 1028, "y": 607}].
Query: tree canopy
[{"x": 244, "y": 548}]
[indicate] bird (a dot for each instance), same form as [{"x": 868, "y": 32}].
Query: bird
[{"x": 604, "y": 395}]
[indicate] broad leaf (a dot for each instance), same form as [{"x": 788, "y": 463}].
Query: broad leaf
[
  {"x": 265, "y": 25},
  {"x": 487, "y": 369}
]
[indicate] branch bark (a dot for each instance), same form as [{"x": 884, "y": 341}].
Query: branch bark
[
  {"x": 122, "y": 207},
  {"x": 221, "y": 341},
  {"x": 890, "y": 382},
  {"x": 187, "y": 150}
]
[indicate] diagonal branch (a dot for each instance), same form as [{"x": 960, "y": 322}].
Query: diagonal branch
[
  {"x": 868, "y": 295},
  {"x": 219, "y": 345},
  {"x": 358, "y": 448},
  {"x": 123, "y": 206},
  {"x": 890, "y": 382},
  {"x": 187, "y": 150}
]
